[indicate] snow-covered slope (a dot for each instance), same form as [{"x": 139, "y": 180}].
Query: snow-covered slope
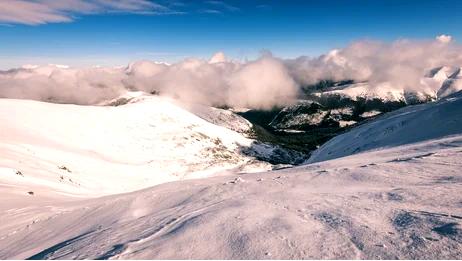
[
  {"x": 220, "y": 117},
  {"x": 303, "y": 113},
  {"x": 451, "y": 81},
  {"x": 438, "y": 83},
  {"x": 102, "y": 149},
  {"x": 408, "y": 125},
  {"x": 399, "y": 203},
  {"x": 308, "y": 114},
  {"x": 363, "y": 89}
]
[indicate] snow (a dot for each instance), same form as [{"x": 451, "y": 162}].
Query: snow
[
  {"x": 290, "y": 117},
  {"x": 341, "y": 111},
  {"x": 451, "y": 84},
  {"x": 346, "y": 123},
  {"x": 149, "y": 141},
  {"x": 439, "y": 83},
  {"x": 385, "y": 91},
  {"x": 398, "y": 203},
  {"x": 369, "y": 114},
  {"x": 292, "y": 131},
  {"x": 339, "y": 114},
  {"x": 221, "y": 117},
  {"x": 407, "y": 125},
  {"x": 397, "y": 199}
]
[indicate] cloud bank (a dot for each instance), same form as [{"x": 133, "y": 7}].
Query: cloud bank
[
  {"x": 398, "y": 65},
  {"x": 259, "y": 84},
  {"x": 35, "y": 12}
]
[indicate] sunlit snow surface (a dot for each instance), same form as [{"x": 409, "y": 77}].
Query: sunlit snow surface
[
  {"x": 101, "y": 150},
  {"x": 398, "y": 199}
]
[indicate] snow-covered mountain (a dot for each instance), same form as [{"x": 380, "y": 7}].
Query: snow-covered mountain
[
  {"x": 311, "y": 115},
  {"x": 438, "y": 83},
  {"x": 451, "y": 81},
  {"x": 398, "y": 199},
  {"x": 404, "y": 126},
  {"x": 312, "y": 121},
  {"x": 330, "y": 106},
  {"x": 386, "y": 188},
  {"x": 112, "y": 149}
]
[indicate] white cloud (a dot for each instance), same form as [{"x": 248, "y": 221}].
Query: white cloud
[
  {"x": 35, "y": 12},
  {"x": 223, "y": 5},
  {"x": 261, "y": 84},
  {"x": 258, "y": 84},
  {"x": 218, "y": 58},
  {"x": 400, "y": 64},
  {"x": 25, "y": 12},
  {"x": 444, "y": 38},
  {"x": 211, "y": 11}
]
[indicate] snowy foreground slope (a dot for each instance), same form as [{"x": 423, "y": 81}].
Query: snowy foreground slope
[
  {"x": 101, "y": 150},
  {"x": 403, "y": 201},
  {"x": 398, "y": 203}
]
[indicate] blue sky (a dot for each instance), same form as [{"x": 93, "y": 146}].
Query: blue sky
[{"x": 104, "y": 32}]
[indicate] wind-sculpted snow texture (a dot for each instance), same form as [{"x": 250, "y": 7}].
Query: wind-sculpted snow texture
[
  {"x": 403, "y": 202},
  {"x": 400, "y": 202}
]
